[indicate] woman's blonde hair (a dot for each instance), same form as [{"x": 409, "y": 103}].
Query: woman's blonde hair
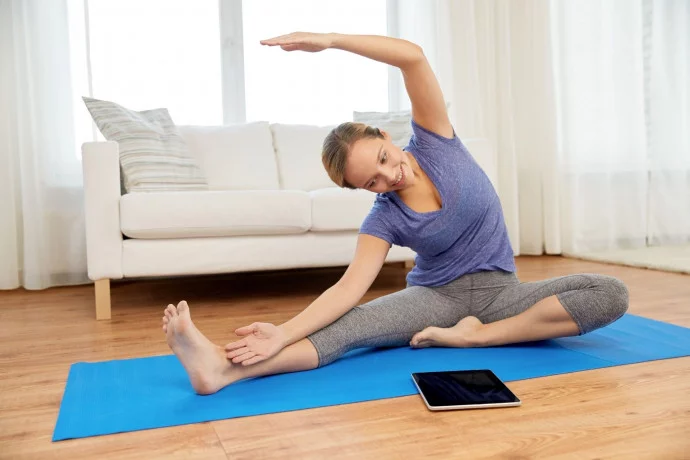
[{"x": 337, "y": 145}]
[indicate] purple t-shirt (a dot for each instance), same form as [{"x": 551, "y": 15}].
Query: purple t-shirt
[{"x": 467, "y": 235}]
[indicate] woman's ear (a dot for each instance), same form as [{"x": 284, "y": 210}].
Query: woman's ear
[{"x": 385, "y": 135}]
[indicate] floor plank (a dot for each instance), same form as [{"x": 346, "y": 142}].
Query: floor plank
[{"x": 636, "y": 411}]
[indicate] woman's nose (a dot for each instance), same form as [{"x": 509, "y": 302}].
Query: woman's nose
[{"x": 391, "y": 176}]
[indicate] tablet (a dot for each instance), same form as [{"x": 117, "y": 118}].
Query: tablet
[{"x": 475, "y": 389}]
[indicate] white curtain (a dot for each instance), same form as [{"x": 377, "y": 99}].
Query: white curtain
[
  {"x": 42, "y": 240},
  {"x": 601, "y": 112},
  {"x": 586, "y": 104},
  {"x": 666, "y": 38},
  {"x": 624, "y": 113}
]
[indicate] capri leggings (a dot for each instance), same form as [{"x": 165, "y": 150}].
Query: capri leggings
[{"x": 593, "y": 301}]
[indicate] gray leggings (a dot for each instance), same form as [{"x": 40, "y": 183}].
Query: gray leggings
[{"x": 593, "y": 301}]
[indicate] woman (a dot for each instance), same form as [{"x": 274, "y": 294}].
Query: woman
[{"x": 433, "y": 198}]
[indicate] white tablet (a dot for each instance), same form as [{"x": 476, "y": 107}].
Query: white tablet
[{"x": 475, "y": 389}]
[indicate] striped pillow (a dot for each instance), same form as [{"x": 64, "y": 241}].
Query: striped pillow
[{"x": 153, "y": 156}]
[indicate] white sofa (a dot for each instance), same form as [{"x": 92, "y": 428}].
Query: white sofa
[{"x": 270, "y": 205}]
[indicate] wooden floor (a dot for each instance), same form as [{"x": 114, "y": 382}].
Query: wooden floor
[{"x": 632, "y": 412}]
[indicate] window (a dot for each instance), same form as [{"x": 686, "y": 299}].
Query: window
[
  {"x": 158, "y": 53},
  {"x": 321, "y": 88},
  {"x": 167, "y": 53},
  {"x": 145, "y": 55}
]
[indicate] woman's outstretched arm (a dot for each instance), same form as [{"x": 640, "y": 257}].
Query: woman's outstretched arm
[
  {"x": 263, "y": 340},
  {"x": 426, "y": 97}
]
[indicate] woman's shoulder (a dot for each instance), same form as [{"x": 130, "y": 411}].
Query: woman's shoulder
[
  {"x": 385, "y": 207},
  {"x": 382, "y": 202},
  {"x": 378, "y": 221}
]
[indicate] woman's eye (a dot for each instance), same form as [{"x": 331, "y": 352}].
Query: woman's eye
[{"x": 384, "y": 157}]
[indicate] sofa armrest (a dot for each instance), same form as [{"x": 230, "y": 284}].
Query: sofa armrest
[{"x": 101, "y": 168}]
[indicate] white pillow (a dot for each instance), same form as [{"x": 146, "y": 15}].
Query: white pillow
[
  {"x": 234, "y": 157},
  {"x": 397, "y": 124},
  {"x": 153, "y": 156},
  {"x": 298, "y": 150}
]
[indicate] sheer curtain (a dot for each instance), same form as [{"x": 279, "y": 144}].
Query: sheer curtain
[
  {"x": 623, "y": 116},
  {"x": 601, "y": 114},
  {"x": 666, "y": 39},
  {"x": 41, "y": 210}
]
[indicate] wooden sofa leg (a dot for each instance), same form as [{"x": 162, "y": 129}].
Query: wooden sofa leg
[
  {"x": 409, "y": 264},
  {"x": 102, "y": 299}
]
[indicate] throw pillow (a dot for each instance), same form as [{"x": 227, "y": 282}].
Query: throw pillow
[
  {"x": 397, "y": 124},
  {"x": 153, "y": 156}
]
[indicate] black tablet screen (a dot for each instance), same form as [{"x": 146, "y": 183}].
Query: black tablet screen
[{"x": 463, "y": 388}]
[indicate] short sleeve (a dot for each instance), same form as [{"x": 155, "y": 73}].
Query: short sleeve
[{"x": 377, "y": 222}]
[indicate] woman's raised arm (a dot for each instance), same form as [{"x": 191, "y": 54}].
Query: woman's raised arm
[{"x": 428, "y": 104}]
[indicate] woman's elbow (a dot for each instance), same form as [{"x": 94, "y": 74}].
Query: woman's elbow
[
  {"x": 414, "y": 57},
  {"x": 417, "y": 53}
]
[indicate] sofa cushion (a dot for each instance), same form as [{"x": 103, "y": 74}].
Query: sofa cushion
[
  {"x": 234, "y": 157},
  {"x": 214, "y": 213},
  {"x": 334, "y": 209},
  {"x": 298, "y": 152}
]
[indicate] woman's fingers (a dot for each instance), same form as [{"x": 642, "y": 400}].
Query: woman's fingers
[
  {"x": 246, "y": 330},
  {"x": 280, "y": 40},
  {"x": 236, "y": 345},
  {"x": 289, "y": 39},
  {"x": 285, "y": 42},
  {"x": 290, "y": 47},
  {"x": 254, "y": 360},
  {"x": 235, "y": 353},
  {"x": 243, "y": 357}
]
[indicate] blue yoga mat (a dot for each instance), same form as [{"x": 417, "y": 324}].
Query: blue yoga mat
[{"x": 137, "y": 394}]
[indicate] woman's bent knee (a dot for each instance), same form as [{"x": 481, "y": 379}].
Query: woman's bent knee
[
  {"x": 617, "y": 297},
  {"x": 610, "y": 302}
]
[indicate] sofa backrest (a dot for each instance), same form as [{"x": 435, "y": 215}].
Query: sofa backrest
[
  {"x": 298, "y": 153},
  {"x": 263, "y": 156},
  {"x": 234, "y": 157},
  {"x": 260, "y": 156}
]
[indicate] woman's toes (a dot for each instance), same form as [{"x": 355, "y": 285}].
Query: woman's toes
[
  {"x": 182, "y": 306},
  {"x": 424, "y": 337}
]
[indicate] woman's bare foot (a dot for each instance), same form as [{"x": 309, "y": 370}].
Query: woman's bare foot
[
  {"x": 465, "y": 334},
  {"x": 205, "y": 363}
]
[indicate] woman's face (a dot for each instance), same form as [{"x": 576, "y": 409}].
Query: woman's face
[{"x": 379, "y": 166}]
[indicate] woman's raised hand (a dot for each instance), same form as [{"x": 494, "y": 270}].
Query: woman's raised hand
[
  {"x": 260, "y": 341},
  {"x": 301, "y": 41}
]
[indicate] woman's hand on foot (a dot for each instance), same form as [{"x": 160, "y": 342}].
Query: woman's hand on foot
[
  {"x": 301, "y": 41},
  {"x": 260, "y": 341}
]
